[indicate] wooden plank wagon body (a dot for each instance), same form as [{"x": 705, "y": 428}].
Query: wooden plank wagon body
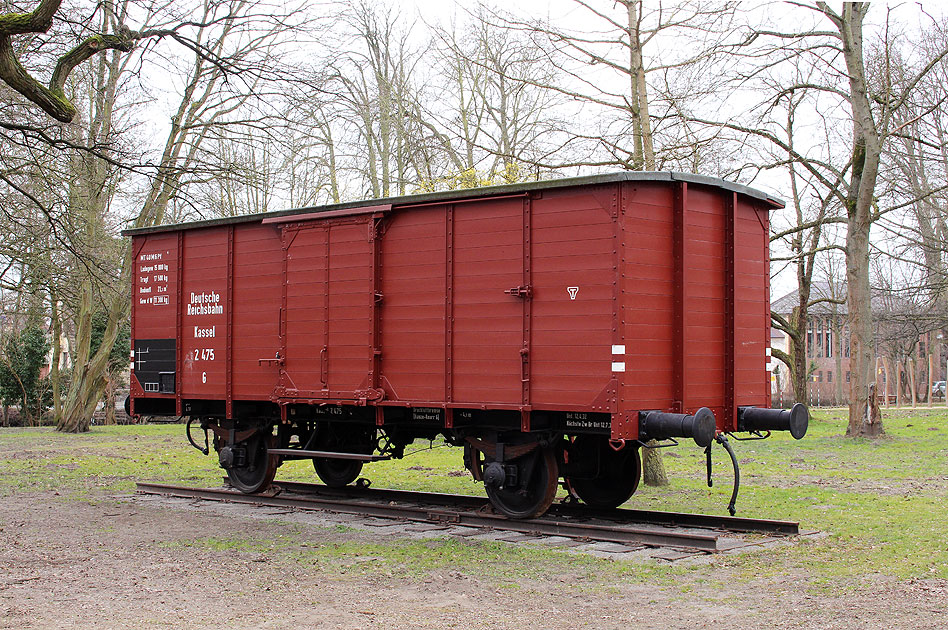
[{"x": 508, "y": 315}]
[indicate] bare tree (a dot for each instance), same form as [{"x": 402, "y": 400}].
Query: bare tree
[
  {"x": 633, "y": 75},
  {"x": 489, "y": 121},
  {"x": 813, "y": 208},
  {"x": 874, "y": 109},
  {"x": 229, "y": 50},
  {"x": 373, "y": 63},
  {"x": 871, "y": 102},
  {"x": 915, "y": 179}
]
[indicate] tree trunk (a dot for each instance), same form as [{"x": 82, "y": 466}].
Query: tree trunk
[
  {"x": 911, "y": 379},
  {"x": 109, "y": 400},
  {"x": 886, "y": 366},
  {"x": 90, "y": 374},
  {"x": 864, "y": 416},
  {"x": 653, "y": 468},
  {"x": 799, "y": 376},
  {"x": 865, "y": 419},
  {"x": 178, "y": 156},
  {"x": 900, "y": 368},
  {"x": 643, "y": 157},
  {"x": 54, "y": 376}
]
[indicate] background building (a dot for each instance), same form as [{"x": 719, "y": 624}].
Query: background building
[{"x": 904, "y": 337}]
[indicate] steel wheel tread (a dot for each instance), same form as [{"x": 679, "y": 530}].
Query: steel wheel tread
[
  {"x": 538, "y": 498},
  {"x": 337, "y": 473},
  {"x": 255, "y": 477}
]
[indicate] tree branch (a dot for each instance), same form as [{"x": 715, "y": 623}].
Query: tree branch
[
  {"x": 37, "y": 21},
  {"x": 124, "y": 41},
  {"x": 782, "y": 356},
  {"x": 51, "y": 99}
]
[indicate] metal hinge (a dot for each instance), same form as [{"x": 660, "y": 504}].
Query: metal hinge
[{"x": 521, "y": 291}]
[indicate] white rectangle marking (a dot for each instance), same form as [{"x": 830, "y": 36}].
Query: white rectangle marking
[
  {"x": 768, "y": 352},
  {"x": 618, "y": 366},
  {"x": 618, "y": 349}
]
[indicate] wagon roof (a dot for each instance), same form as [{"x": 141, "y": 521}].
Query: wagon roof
[{"x": 474, "y": 193}]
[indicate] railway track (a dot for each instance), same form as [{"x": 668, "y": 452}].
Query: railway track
[
  {"x": 632, "y": 528},
  {"x": 572, "y": 510}
]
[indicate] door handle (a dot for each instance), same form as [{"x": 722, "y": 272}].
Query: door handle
[{"x": 522, "y": 291}]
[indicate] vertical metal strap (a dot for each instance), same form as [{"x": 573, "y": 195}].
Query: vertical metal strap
[
  {"x": 179, "y": 363},
  {"x": 730, "y": 310},
  {"x": 680, "y": 239},
  {"x": 228, "y": 350},
  {"x": 764, "y": 216},
  {"x": 449, "y": 310},
  {"x": 375, "y": 241},
  {"x": 527, "y": 308},
  {"x": 287, "y": 235},
  {"x": 324, "y": 355},
  {"x": 619, "y": 201}
]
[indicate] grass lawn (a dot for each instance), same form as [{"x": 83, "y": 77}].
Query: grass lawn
[{"x": 880, "y": 503}]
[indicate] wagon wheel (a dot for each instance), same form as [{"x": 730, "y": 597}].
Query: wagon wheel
[
  {"x": 536, "y": 474},
  {"x": 260, "y": 468},
  {"x": 616, "y": 478},
  {"x": 337, "y": 473}
]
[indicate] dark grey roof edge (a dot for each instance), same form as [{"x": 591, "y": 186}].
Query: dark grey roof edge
[{"x": 485, "y": 191}]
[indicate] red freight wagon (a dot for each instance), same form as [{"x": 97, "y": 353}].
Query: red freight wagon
[{"x": 549, "y": 328}]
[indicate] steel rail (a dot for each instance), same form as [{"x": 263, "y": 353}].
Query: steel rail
[
  {"x": 573, "y": 510},
  {"x": 546, "y": 526}
]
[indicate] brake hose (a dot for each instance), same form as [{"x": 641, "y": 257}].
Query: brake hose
[
  {"x": 722, "y": 439},
  {"x": 207, "y": 448}
]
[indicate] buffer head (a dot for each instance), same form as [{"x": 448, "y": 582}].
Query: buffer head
[
  {"x": 799, "y": 420},
  {"x": 704, "y": 427}
]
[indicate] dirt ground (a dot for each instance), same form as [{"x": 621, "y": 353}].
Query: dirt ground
[{"x": 127, "y": 563}]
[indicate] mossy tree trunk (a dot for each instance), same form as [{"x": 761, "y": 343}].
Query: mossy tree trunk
[
  {"x": 109, "y": 399},
  {"x": 864, "y": 416},
  {"x": 653, "y": 467},
  {"x": 198, "y": 111}
]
